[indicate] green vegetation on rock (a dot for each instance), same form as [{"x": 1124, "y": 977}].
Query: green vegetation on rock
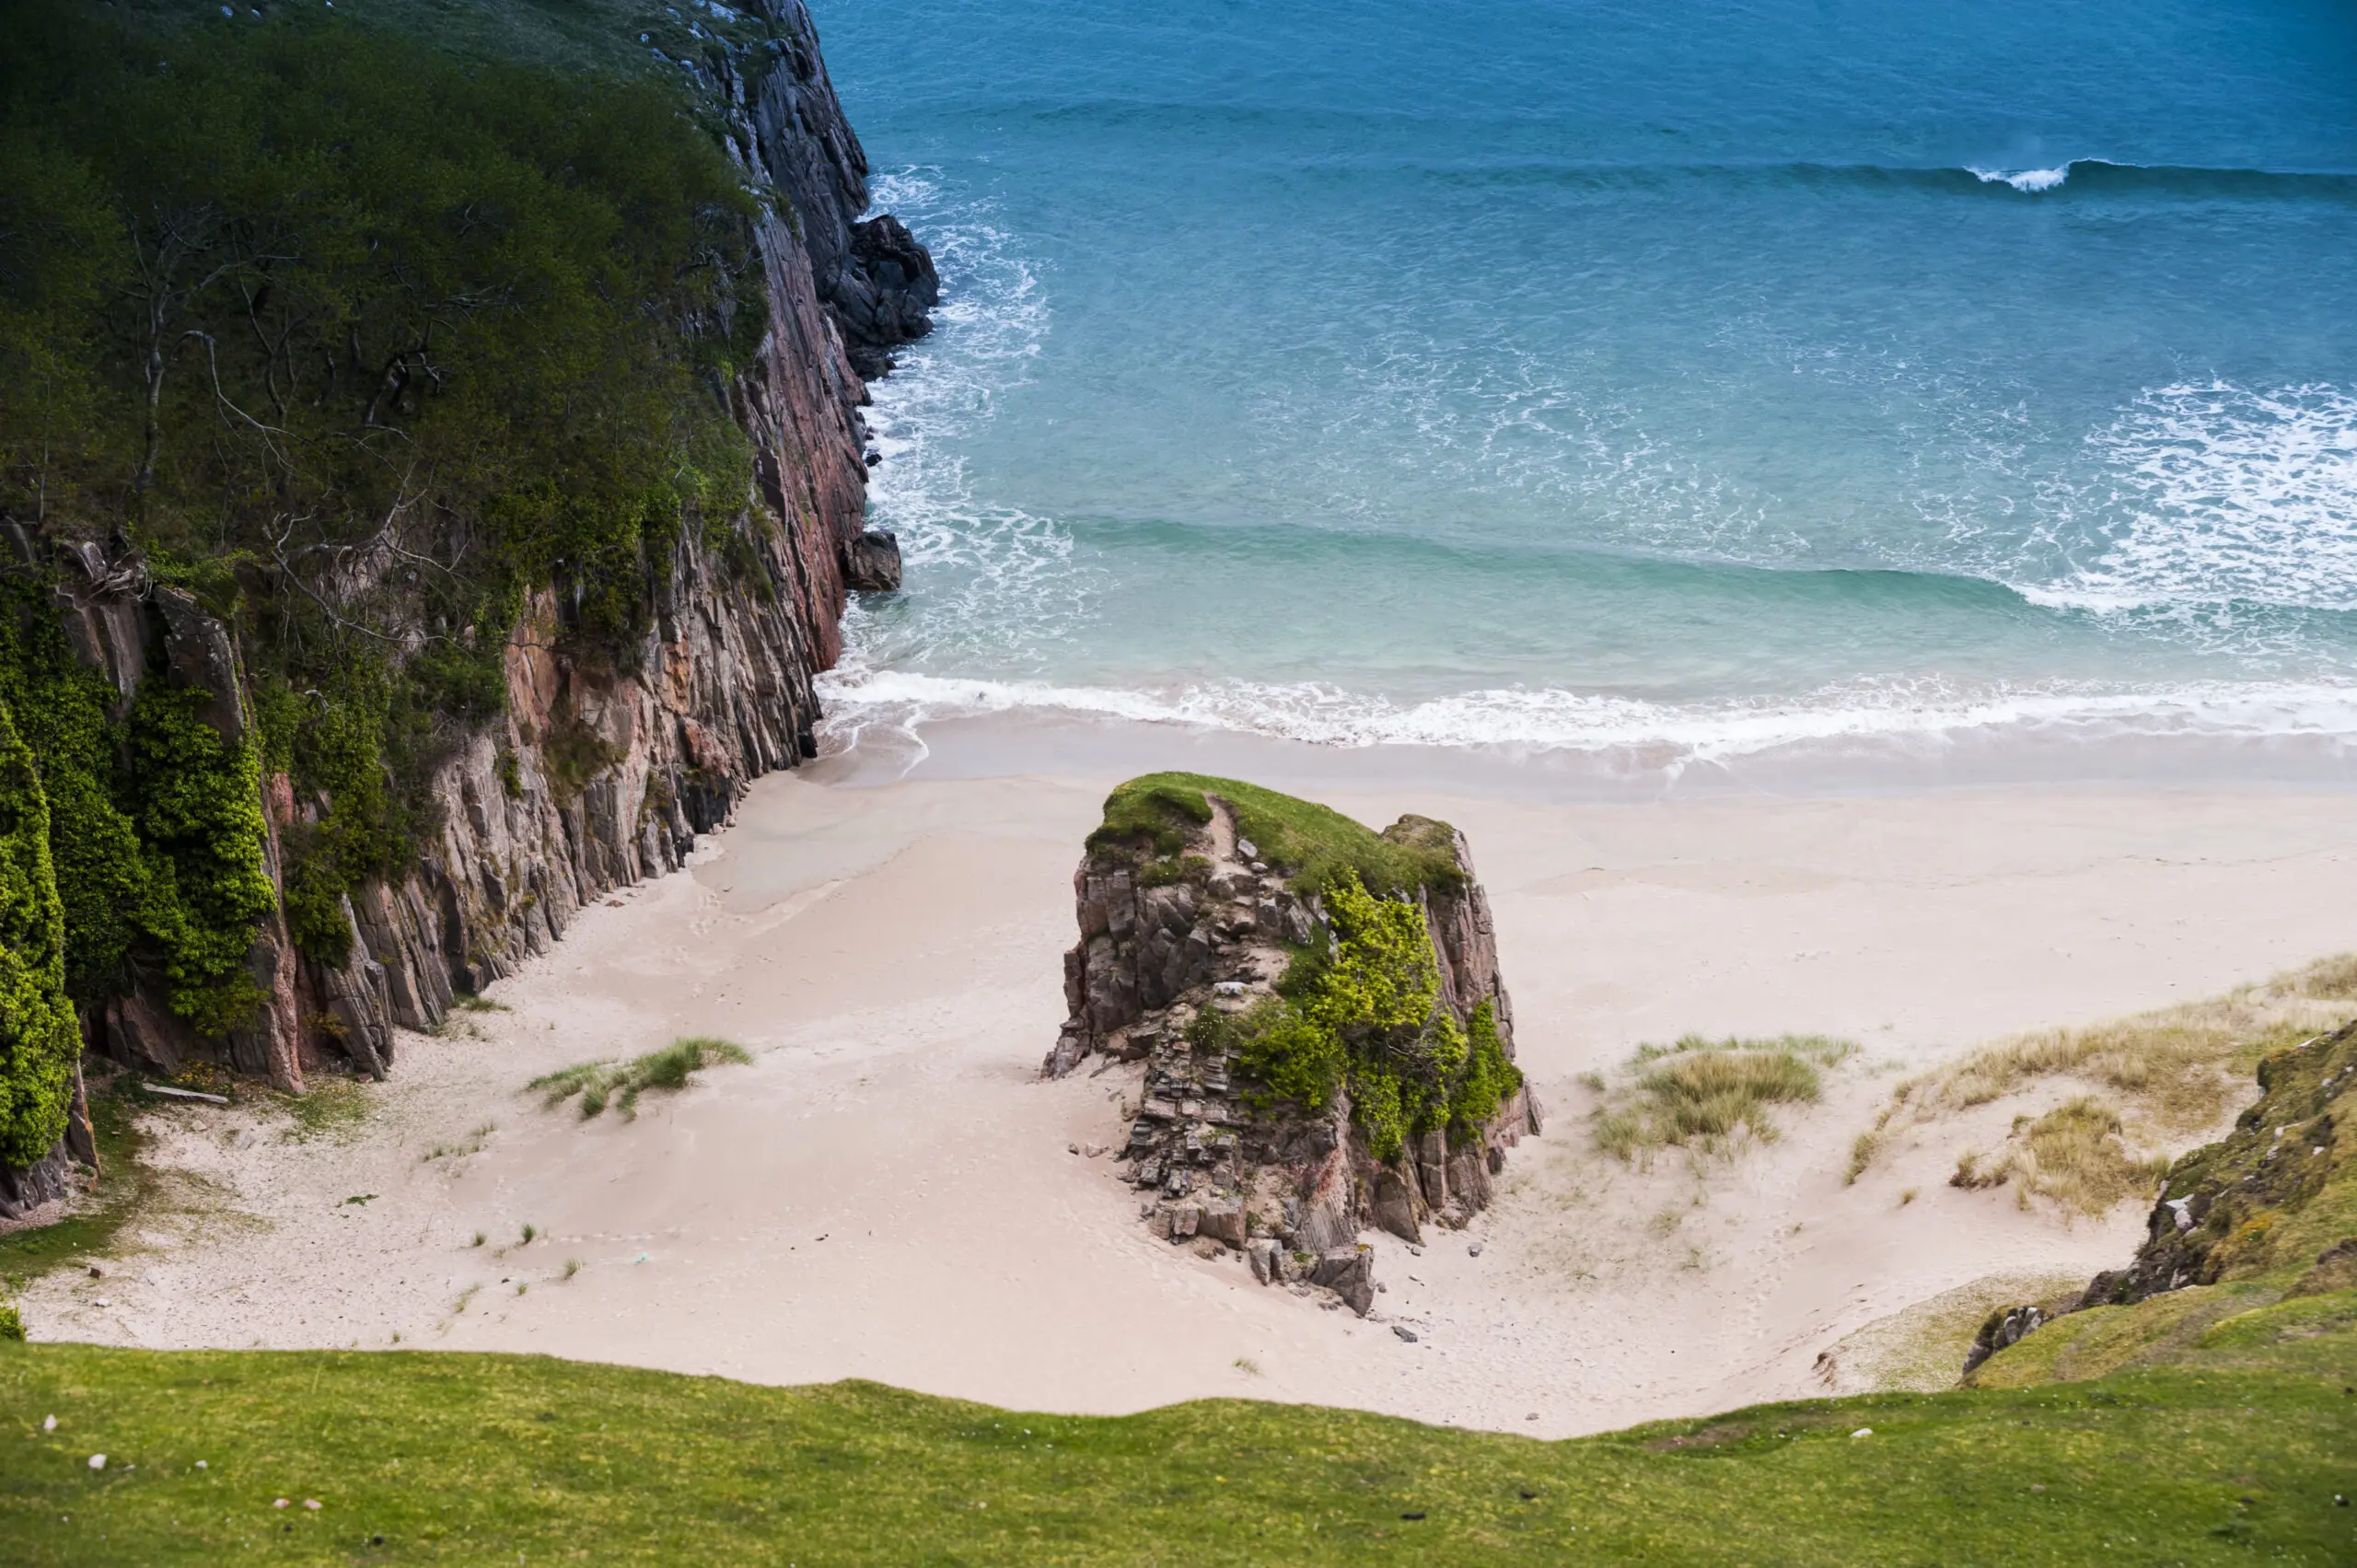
[
  {"x": 481, "y": 1459},
  {"x": 363, "y": 342},
  {"x": 1315, "y": 846},
  {"x": 39, "y": 1039}
]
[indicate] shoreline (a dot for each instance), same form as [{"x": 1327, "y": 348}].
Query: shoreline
[
  {"x": 887, "y": 1191},
  {"x": 863, "y": 745}
]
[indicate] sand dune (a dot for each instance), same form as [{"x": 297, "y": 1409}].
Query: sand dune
[{"x": 887, "y": 1192}]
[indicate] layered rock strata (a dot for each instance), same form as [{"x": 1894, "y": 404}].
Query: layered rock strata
[
  {"x": 1213, "y": 1157},
  {"x": 603, "y": 771}
]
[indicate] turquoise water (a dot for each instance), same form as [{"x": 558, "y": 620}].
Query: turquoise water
[{"x": 1703, "y": 379}]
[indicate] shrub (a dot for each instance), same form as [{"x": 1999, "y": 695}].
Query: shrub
[{"x": 12, "y": 1322}]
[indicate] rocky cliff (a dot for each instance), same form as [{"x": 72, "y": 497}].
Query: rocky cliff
[
  {"x": 602, "y": 769},
  {"x": 1276, "y": 1111}
]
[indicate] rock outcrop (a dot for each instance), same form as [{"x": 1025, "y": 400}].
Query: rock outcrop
[
  {"x": 1166, "y": 947},
  {"x": 603, "y": 770}
]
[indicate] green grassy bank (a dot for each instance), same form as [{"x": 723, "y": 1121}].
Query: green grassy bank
[{"x": 2231, "y": 1455}]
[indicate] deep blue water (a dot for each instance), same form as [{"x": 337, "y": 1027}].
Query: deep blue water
[{"x": 1593, "y": 373}]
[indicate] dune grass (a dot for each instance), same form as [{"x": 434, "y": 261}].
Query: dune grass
[
  {"x": 619, "y": 1083},
  {"x": 423, "y": 1457},
  {"x": 1709, "y": 1094},
  {"x": 2072, "y": 1156},
  {"x": 2150, "y": 1078}
]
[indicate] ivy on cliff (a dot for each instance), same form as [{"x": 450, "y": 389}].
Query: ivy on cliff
[{"x": 39, "y": 1039}]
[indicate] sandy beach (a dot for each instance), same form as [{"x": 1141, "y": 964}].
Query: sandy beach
[{"x": 890, "y": 1192}]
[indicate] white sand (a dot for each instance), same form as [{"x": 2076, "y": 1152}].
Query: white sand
[{"x": 887, "y": 1191}]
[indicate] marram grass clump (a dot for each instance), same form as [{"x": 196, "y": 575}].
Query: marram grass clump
[
  {"x": 1711, "y": 1095},
  {"x": 619, "y": 1084}
]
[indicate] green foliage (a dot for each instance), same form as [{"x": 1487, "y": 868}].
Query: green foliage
[
  {"x": 508, "y": 1456},
  {"x": 620, "y": 1082},
  {"x": 62, "y": 711},
  {"x": 12, "y": 1322},
  {"x": 38, "y": 1039},
  {"x": 199, "y": 817},
  {"x": 1316, "y": 846},
  {"x": 1367, "y": 1014},
  {"x": 1490, "y": 1078}
]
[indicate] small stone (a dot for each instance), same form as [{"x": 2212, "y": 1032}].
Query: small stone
[
  {"x": 1248, "y": 850},
  {"x": 310, "y": 1503},
  {"x": 1529, "y": 1495},
  {"x": 1415, "y": 1251},
  {"x": 1404, "y": 1332},
  {"x": 49, "y": 1424},
  {"x": 98, "y": 1461},
  {"x": 1072, "y": 1149},
  {"x": 104, "y": 1302},
  {"x": 1864, "y": 1432},
  {"x": 282, "y": 1502},
  {"x": 97, "y": 1273},
  {"x": 199, "y": 1464},
  {"x": 1473, "y": 1250}
]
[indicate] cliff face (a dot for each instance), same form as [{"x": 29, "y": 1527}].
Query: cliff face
[
  {"x": 1179, "y": 960},
  {"x": 603, "y": 769}
]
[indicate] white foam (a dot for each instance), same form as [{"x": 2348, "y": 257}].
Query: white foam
[
  {"x": 2030, "y": 180},
  {"x": 984, "y": 578},
  {"x": 1667, "y": 735},
  {"x": 2223, "y": 494}
]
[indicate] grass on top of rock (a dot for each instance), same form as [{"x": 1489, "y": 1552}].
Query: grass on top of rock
[
  {"x": 1315, "y": 846},
  {"x": 1710, "y": 1096},
  {"x": 619, "y": 1083},
  {"x": 505, "y": 1456}
]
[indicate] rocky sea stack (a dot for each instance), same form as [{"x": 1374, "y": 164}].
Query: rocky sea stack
[{"x": 1326, "y": 1042}]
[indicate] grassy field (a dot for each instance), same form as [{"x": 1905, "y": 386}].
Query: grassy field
[{"x": 463, "y": 1459}]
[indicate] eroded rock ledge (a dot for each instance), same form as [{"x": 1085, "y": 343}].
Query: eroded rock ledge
[{"x": 1216, "y": 960}]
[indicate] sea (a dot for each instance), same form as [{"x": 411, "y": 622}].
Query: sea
[{"x": 1655, "y": 391}]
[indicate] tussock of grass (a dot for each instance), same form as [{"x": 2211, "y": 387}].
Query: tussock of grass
[
  {"x": 619, "y": 1084},
  {"x": 2072, "y": 1156},
  {"x": 1711, "y": 1093},
  {"x": 2164, "y": 1073}
]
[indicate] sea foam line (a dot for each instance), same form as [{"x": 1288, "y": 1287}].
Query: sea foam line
[{"x": 1552, "y": 719}]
